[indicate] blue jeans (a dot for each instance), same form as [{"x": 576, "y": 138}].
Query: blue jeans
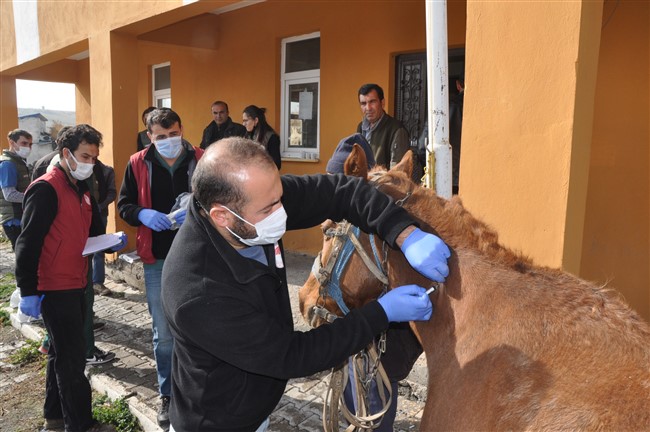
[
  {"x": 98, "y": 262},
  {"x": 98, "y": 268},
  {"x": 163, "y": 343}
]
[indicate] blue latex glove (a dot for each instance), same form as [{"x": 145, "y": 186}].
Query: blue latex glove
[
  {"x": 427, "y": 254},
  {"x": 123, "y": 240},
  {"x": 31, "y": 305},
  {"x": 154, "y": 219},
  {"x": 180, "y": 216},
  {"x": 406, "y": 303}
]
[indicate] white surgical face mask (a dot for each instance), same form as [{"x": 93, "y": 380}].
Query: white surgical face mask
[
  {"x": 23, "y": 152},
  {"x": 170, "y": 147},
  {"x": 269, "y": 230},
  {"x": 83, "y": 171}
]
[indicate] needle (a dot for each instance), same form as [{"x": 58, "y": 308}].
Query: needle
[{"x": 430, "y": 290}]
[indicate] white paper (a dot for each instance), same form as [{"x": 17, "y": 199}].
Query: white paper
[
  {"x": 101, "y": 242},
  {"x": 130, "y": 257},
  {"x": 306, "y": 101}
]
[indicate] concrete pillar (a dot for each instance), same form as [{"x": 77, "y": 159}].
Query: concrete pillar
[
  {"x": 113, "y": 92},
  {"x": 530, "y": 81},
  {"x": 8, "y": 110}
]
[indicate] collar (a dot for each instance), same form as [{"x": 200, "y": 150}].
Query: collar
[
  {"x": 367, "y": 127},
  {"x": 224, "y": 125}
]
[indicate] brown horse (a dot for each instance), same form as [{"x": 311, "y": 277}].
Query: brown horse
[{"x": 511, "y": 345}]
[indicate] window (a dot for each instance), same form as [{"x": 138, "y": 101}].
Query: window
[
  {"x": 300, "y": 97},
  {"x": 161, "y": 79}
]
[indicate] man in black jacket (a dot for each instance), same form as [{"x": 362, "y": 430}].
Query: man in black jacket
[
  {"x": 225, "y": 290},
  {"x": 221, "y": 127}
]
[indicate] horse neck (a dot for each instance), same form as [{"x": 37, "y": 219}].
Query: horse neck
[{"x": 458, "y": 228}]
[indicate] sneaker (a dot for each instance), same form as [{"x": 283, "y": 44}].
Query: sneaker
[
  {"x": 100, "y": 357},
  {"x": 44, "y": 350},
  {"x": 53, "y": 425},
  {"x": 100, "y": 289},
  {"x": 163, "y": 413}
]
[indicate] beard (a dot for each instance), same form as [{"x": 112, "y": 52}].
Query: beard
[{"x": 243, "y": 230}]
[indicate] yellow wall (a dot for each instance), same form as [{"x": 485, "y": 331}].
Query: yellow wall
[
  {"x": 245, "y": 67},
  {"x": 61, "y": 24},
  {"x": 8, "y": 110},
  {"x": 616, "y": 235},
  {"x": 518, "y": 122}
]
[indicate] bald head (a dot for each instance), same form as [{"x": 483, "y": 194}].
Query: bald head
[{"x": 222, "y": 173}]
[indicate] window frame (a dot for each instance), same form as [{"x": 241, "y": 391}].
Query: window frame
[
  {"x": 291, "y": 78},
  {"x": 161, "y": 94}
]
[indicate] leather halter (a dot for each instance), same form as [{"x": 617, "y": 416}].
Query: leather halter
[
  {"x": 346, "y": 241},
  {"x": 366, "y": 364}
]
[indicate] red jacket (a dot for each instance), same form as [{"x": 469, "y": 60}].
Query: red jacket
[
  {"x": 61, "y": 265},
  {"x": 141, "y": 171}
]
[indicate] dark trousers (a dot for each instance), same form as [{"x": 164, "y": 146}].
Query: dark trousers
[
  {"x": 67, "y": 391},
  {"x": 12, "y": 232}
]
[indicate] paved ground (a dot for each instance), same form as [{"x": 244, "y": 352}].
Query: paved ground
[{"x": 128, "y": 334}]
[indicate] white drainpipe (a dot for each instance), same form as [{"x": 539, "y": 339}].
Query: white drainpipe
[{"x": 438, "y": 154}]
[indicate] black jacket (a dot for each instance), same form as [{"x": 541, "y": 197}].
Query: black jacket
[
  {"x": 234, "y": 342},
  {"x": 213, "y": 133}
]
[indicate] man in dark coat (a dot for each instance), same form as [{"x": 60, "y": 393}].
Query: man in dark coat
[
  {"x": 221, "y": 127},
  {"x": 225, "y": 290},
  {"x": 387, "y": 136}
]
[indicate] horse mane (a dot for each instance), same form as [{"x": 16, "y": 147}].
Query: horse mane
[
  {"x": 462, "y": 231},
  {"x": 449, "y": 218}
]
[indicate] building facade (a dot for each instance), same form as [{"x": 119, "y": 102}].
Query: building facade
[{"x": 556, "y": 142}]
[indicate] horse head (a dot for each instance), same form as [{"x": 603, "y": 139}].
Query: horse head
[{"x": 366, "y": 272}]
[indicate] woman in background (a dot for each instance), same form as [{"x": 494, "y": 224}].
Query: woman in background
[{"x": 258, "y": 130}]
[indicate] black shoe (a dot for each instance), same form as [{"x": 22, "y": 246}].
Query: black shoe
[
  {"x": 163, "y": 413},
  {"x": 99, "y": 357},
  {"x": 98, "y": 324}
]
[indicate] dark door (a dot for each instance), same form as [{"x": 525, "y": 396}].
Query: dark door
[
  {"x": 411, "y": 87},
  {"x": 411, "y": 105}
]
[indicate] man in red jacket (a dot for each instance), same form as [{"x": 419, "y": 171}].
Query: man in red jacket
[
  {"x": 154, "y": 180},
  {"x": 59, "y": 215}
]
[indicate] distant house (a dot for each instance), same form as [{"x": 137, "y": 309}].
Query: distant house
[{"x": 35, "y": 124}]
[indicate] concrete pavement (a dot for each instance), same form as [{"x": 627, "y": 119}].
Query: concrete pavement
[{"x": 127, "y": 333}]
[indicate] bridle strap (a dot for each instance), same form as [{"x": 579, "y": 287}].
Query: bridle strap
[
  {"x": 346, "y": 241},
  {"x": 362, "y": 420}
]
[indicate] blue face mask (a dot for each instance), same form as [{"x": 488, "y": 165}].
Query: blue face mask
[{"x": 169, "y": 148}]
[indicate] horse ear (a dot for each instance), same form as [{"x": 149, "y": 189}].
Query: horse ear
[
  {"x": 356, "y": 163},
  {"x": 405, "y": 165}
]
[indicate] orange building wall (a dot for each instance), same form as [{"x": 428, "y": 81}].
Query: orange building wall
[
  {"x": 62, "y": 24},
  {"x": 518, "y": 121},
  {"x": 245, "y": 68},
  {"x": 616, "y": 233}
]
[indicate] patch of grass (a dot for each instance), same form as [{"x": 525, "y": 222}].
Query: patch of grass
[
  {"x": 5, "y": 319},
  {"x": 7, "y": 286},
  {"x": 115, "y": 413},
  {"x": 26, "y": 354}
]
